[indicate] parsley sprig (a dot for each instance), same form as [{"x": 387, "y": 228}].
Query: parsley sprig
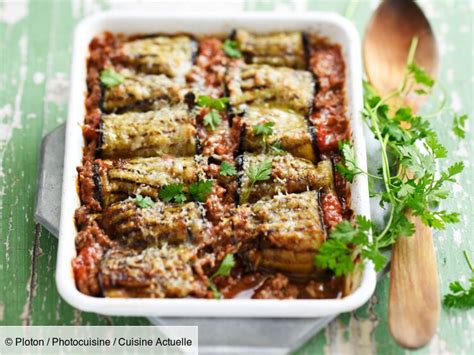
[
  {"x": 265, "y": 130},
  {"x": 198, "y": 191},
  {"x": 261, "y": 172},
  {"x": 144, "y": 202},
  {"x": 409, "y": 151},
  {"x": 461, "y": 296},
  {"x": 255, "y": 173},
  {"x": 227, "y": 169},
  {"x": 224, "y": 269},
  {"x": 459, "y": 125},
  {"x": 213, "y": 118},
  {"x": 231, "y": 48},
  {"x": 111, "y": 78},
  {"x": 172, "y": 192}
]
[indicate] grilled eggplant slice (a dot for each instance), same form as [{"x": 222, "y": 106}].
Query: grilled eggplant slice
[
  {"x": 290, "y": 130},
  {"x": 154, "y": 226},
  {"x": 281, "y": 49},
  {"x": 172, "y": 56},
  {"x": 289, "y": 231},
  {"x": 138, "y": 92},
  {"x": 289, "y": 175},
  {"x": 116, "y": 180},
  {"x": 169, "y": 131},
  {"x": 263, "y": 84},
  {"x": 153, "y": 273}
]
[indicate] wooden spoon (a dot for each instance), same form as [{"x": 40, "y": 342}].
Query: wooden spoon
[{"x": 413, "y": 308}]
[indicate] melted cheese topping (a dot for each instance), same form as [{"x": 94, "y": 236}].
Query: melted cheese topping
[
  {"x": 171, "y": 56},
  {"x": 293, "y": 89},
  {"x": 153, "y": 272},
  {"x": 137, "y": 88},
  {"x": 290, "y": 129},
  {"x": 277, "y": 49},
  {"x": 170, "y": 130}
]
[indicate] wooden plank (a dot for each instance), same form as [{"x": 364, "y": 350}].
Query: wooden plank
[
  {"x": 33, "y": 80},
  {"x": 20, "y": 135}
]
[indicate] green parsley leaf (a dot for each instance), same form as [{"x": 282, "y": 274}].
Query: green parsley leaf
[
  {"x": 231, "y": 48},
  {"x": 265, "y": 129},
  {"x": 227, "y": 169},
  {"x": 144, "y": 202},
  {"x": 172, "y": 192},
  {"x": 420, "y": 75},
  {"x": 461, "y": 296},
  {"x": 215, "y": 291},
  {"x": 335, "y": 255},
  {"x": 199, "y": 190},
  {"x": 255, "y": 173},
  {"x": 219, "y": 104},
  {"x": 224, "y": 270},
  {"x": 261, "y": 172},
  {"x": 436, "y": 147},
  {"x": 348, "y": 168},
  {"x": 338, "y": 252},
  {"x": 225, "y": 267},
  {"x": 205, "y": 101},
  {"x": 111, "y": 78},
  {"x": 212, "y": 119},
  {"x": 276, "y": 148},
  {"x": 459, "y": 124}
]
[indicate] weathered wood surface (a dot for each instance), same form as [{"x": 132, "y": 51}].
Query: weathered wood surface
[{"x": 35, "y": 49}]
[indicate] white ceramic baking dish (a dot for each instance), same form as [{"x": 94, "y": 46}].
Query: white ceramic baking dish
[{"x": 329, "y": 25}]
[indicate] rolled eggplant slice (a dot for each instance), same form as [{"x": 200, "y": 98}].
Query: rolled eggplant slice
[
  {"x": 138, "y": 92},
  {"x": 169, "y": 131},
  {"x": 153, "y": 273},
  {"x": 289, "y": 175},
  {"x": 169, "y": 55},
  {"x": 281, "y": 49},
  {"x": 116, "y": 180},
  {"x": 290, "y": 129},
  {"x": 263, "y": 84},
  {"x": 154, "y": 226},
  {"x": 288, "y": 261},
  {"x": 289, "y": 230}
]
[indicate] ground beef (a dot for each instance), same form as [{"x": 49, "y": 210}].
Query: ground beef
[
  {"x": 221, "y": 143},
  {"x": 92, "y": 235},
  {"x": 277, "y": 286},
  {"x": 87, "y": 186},
  {"x": 208, "y": 74},
  {"x": 327, "y": 63}
]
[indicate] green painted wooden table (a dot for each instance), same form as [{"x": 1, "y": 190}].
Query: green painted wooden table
[{"x": 35, "y": 55}]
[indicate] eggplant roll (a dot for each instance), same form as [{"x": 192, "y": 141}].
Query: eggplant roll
[
  {"x": 116, "y": 180},
  {"x": 169, "y": 131},
  {"x": 139, "y": 91},
  {"x": 289, "y": 175},
  {"x": 288, "y": 229},
  {"x": 290, "y": 129},
  {"x": 263, "y": 84},
  {"x": 281, "y": 49},
  {"x": 153, "y": 273},
  {"x": 154, "y": 226},
  {"x": 172, "y": 56}
]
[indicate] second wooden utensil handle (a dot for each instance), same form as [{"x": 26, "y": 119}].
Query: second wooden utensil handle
[{"x": 414, "y": 304}]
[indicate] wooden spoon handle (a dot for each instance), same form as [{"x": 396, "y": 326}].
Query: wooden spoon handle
[{"x": 413, "y": 308}]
